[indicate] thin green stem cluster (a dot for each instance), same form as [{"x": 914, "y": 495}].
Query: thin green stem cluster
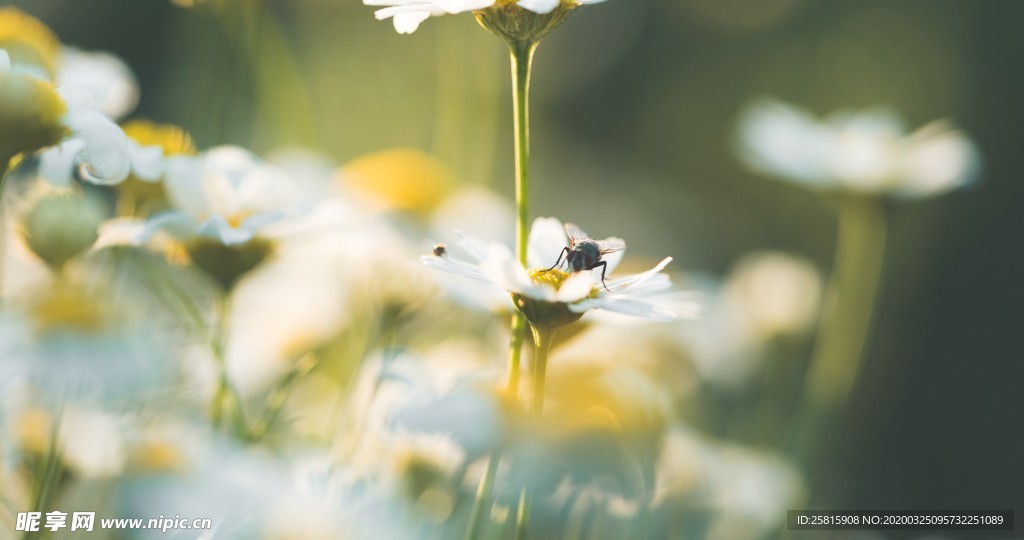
[{"x": 522, "y": 63}]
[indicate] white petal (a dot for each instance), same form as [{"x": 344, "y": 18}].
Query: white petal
[
  {"x": 57, "y": 164},
  {"x": 76, "y": 98},
  {"x": 5, "y": 61},
  {"x": 624, "y": 283},
  {"x": 539, "y": 6},
  {"x": 407, "y": 23},
  {"x": 577, "y": 287},
  {"x": 106, "y": 157},
  {"x": 781, "y": 140},
  {"x": 183, "y": 181},
  {"x": 627, "y": 306},
  {"x": 938, "y": 159},
  {"x": 454, "y": 267},
  {"x": 461, "y": 6},
  {"x": 651, "y": 284},
  {"x": 546, "y": 242},
  {"x": 147, "y": 162},
  {"x": 506, "y": 273},
  {"x": 178, "y": 224}
]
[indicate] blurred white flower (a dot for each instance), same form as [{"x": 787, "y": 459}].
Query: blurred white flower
[
  {"x": 73, "y": 343},
  {"x": 91, "y": 442},
  {"x": 97, "y": 150},
  {"x": 864, "y": 152},
  {"x": 226, "y": 194},
  {"x": 96, "y": 88},
  {"x": 408, "y": 14},
  {"x": 767, "y": 295},
  {"x": 579, "y": 291},
  {"x": 744, "y": 492},
  {"x": 105, "y": 77},
  {"x": 775, "y": 293}
]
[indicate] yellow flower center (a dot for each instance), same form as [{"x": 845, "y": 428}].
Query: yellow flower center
[
  {"x": 553, "y": 277},
  {"x": 172, "y": 139},
  {"x": 26, "y": 38},
  {"x": 65, "y": 307}
]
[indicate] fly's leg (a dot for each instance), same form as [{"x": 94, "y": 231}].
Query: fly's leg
[
  {"x": 565, "y": 251},
  {"x": 604, "y": 268}
]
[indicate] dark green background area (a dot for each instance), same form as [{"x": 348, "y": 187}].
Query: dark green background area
[{"x": 635, "y": 104}]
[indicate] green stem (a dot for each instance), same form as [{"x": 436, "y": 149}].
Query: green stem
[
  {"x": 522, "y": 63},
  {"x": 483, "y": 492},
  {"x": 853, "y": 288},
  {"x": 542, "y": 340},
  {"x": 278, "y": 397},
  {"x": 523, "y": 515},
  {"x": 225, "y": 390},
  {"x": 844, "y": 331},
  {"x": 49, "y": 474}
]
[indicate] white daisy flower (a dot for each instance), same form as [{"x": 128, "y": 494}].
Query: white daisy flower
[
  {"x": 225, "y": 194},
  {"x": 545, "y": 287},
  {"x": 408, "y": 14},
  {"x": 864, "y": 152}
]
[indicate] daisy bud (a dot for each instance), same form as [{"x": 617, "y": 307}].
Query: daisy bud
[{"x": 61, "y": 226}]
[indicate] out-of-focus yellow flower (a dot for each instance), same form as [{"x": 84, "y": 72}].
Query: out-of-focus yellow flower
[
  {"x": 31, "y": 113},
  {"x": 173, "y": 140},
  {"x": 28, "y": 40},
  {"x": 403, "y": 179},
  {"x": 32, "y": 430},
  {"x": 618, "y": 398},
  {"x": 67, "y": 307}
]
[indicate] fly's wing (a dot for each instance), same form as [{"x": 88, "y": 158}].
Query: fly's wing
[
  {"x": 576, "y": 234},
  {"x": 611, "y": 245}
]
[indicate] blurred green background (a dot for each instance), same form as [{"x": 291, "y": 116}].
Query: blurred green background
[{"x": 635, "y": 105}]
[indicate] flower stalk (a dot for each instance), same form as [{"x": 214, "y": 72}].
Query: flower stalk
[
  {"x": 853, "y": 289},
  {"x": 225, "y": 390},
  {"x": 521, "y": 56}
]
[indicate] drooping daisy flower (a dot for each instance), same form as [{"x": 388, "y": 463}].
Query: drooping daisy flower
[
  {"x": 408, "y": 14},
  {"x": 224, "y": 198},
  {"x": 546, "y": 292},
  {"x": 93, "y": 146},
  {"x": 226, "y": 193},
  {"x": 863, "y": 152}
]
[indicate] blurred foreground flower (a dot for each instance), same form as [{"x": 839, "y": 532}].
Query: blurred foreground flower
[
  {"x": 549, "y": 296},
  {"x": 224, "y": 198},
  {"x": 30, "y": 111},
  {"x": 408, "y": 14},
  {"x": 865, "y": 152}
]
